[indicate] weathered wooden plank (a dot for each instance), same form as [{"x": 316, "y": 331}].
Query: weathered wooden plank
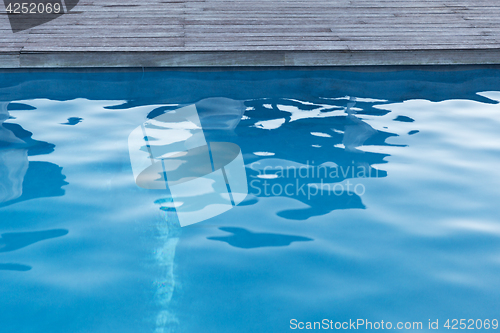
[
  {"x": 178, "y": 31},
  {"x": 9, "y": 60}
]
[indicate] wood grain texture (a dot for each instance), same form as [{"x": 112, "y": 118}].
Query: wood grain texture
[{"x": 112, "y": 33}]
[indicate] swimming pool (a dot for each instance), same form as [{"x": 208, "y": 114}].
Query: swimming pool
[{"x": 372, "y": 196}]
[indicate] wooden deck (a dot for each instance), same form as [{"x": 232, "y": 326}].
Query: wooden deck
[{"x": 159, "y": 33}]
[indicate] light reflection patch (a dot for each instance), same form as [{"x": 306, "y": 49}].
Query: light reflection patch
[{"x": 170, "y": 153}]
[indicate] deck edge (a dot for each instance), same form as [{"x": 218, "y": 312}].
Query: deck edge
[{"x": 248, "y": 58}]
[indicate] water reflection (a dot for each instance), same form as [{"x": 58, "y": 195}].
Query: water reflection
[
  {"x": 337, "y": 136},
  {"x": 325, "y": 168},
  {"x": 14, "y": 267},
  {"x": 73, "y": 121},
  {"x": 356, "y": 131},
  {"x": 17, "y": 240},
  {"x": 34, "y": 147},
  {"x": 246, "y": 239},
  {"x": 13, "y": 160},
  {"x": 404, "y": 119},
  {"x": 184, "y": 137},
  {"x": 190, "y": 130},
  {"x": 361, "y": 255},
  {"x": 170, "y": 152},
  {"x": 20, "y": 179},
  {"x": 271, "y": 125},
  {"x": 219, "y": 113}
]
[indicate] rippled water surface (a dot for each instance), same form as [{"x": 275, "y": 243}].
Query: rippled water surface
[{"x": 373, "y": 195}]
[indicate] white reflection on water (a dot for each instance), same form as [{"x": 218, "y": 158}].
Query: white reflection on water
[
  {"x": 447, "y": 171},
  {"x": 356, "y": 132},
  {"x": 13, "y": 161}
]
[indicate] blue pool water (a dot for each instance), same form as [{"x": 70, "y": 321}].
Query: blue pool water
[{"x": 372, "y": 194}]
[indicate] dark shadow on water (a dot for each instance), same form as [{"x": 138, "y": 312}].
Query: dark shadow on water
[
  {"x": 13, "y": 241},
  {"x": 246, "y": 239},
  {"x": 34, "y": 147},
  {"x": 16, "y": 240},
  {"x": 249, "y": 200},
  {"x": 14, "y": 267},
  {"x": 73, "y": 121},
  {"x": 328, "y": 146},
  {"x": 43, "y": 179},
  {"x": 323, "y": 204},
  {"x": 19, "y": 107},
  {"x": 21, "y": 180},
  {"x": 153, "y": 114},
  {"x": 404, "y": 119}
]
